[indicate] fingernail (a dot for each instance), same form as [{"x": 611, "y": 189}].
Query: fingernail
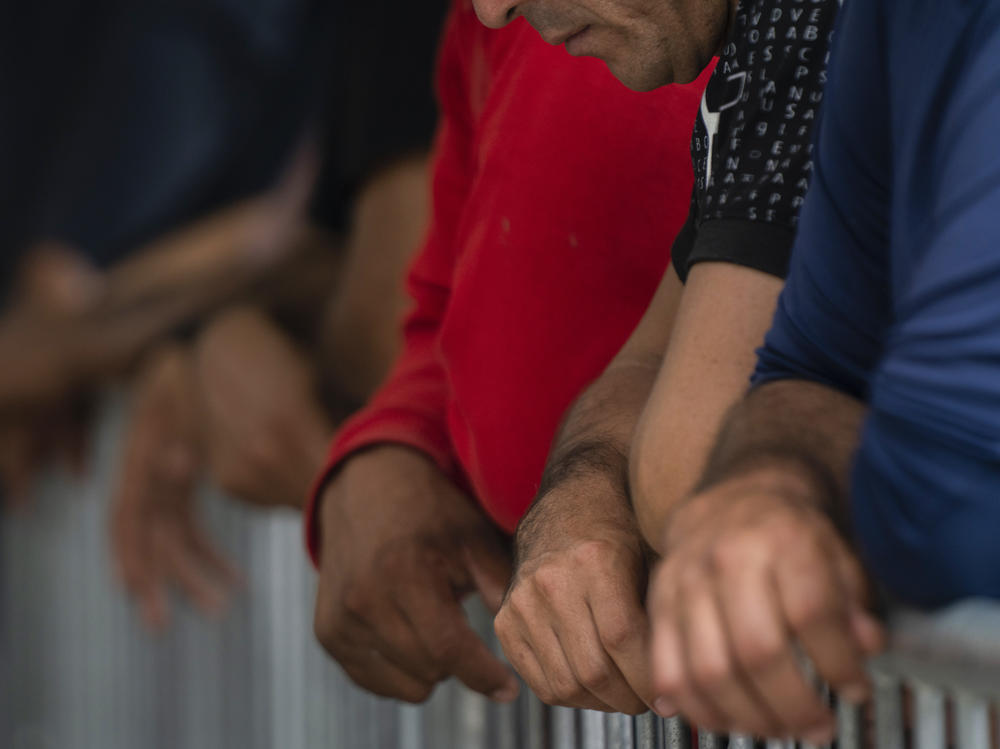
[
  {"x": 856, "y": 694},
  {"x": 820, "y": 735},
  {"x": 506, "y": 693},
  {"x": 664, "y": 707}
]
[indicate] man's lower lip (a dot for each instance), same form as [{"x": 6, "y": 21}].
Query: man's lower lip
[{"x": 573, "y": 44}]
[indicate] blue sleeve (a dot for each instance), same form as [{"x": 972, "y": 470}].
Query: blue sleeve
[
  {"x": 894, "y": 293},
  {"x": 927, "y": 478},
  {"x": 833, "y": 311}
]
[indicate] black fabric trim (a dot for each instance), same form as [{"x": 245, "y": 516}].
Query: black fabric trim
[{"x": 754, "y": 244}]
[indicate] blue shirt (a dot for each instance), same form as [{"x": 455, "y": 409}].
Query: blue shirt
[{"x": 894, "y": 288}]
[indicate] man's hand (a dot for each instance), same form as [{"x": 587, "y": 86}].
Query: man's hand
[
  {"x": 267, "y": 433},
  {"x": 400, "y": 548},
  {"x": 30, "y": 439},
  {"x": 755, "y": 583},
  {"x": 156, "y": 539},
  {"x": 573, "y": 623}
]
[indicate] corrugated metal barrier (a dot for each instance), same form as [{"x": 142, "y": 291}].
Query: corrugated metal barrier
[{"x": 78, "y": 671}]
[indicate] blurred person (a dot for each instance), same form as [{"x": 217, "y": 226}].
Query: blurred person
[
  {"x": 104, "y": 164},
  {"x": 69, "y": 328},
  {"x": 270, "y": 375},
  {"x": 584, "y": 548},
  {"x": 125, "y": 122},
  {"x": 556, "y": 194},
  {"x": 252, "y": 402}
]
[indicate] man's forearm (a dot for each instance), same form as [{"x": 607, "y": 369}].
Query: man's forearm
[{"x": 594, "y": 439}]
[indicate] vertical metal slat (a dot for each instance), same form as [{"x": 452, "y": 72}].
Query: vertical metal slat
[
  {"x": 888, "y": 713},
  {"x": 972, "y": 719},
  {"x": 930, "y": 726}
]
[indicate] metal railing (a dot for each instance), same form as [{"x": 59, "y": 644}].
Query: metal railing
[{"x": 80, "y": 672}]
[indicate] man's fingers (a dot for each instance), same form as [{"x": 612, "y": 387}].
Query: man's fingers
[
  {"x": 569, "y": 615},
  {"x": 475, "y": 665},
  {"x": 489, "y": 565},
  {"x": 393, "y": 635},
  {"x": 715, "y": 679},
  {"x": 816, "y": 604},
  {"x": 762, "y": 644},
  {"x": 867, "y": 630},
  {"x": 131, "y": 561},
  {"x": 555, "y": 681},
  {"x": 181, "y": 567},
  {"x": 370, "y": 670},
  {"x": 671, "y": 676},
  {"x": 716, "y": 675},
  {"x": 623, "y": 630},
  {"x": 522, "y": 657},
  {"x": 138, "y": 571},
  {"x": 440, "y": 623}
]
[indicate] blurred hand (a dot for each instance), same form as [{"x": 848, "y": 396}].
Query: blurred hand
[
  {"x": 401, "y": 546},
  {"x": 573, "y": 622},
  {"x": 267, "y": 433},
  {"x": 55, "y": 280},
  {"x": 29, "y": 440},
  {"x": 156, "y": 538},
  {"x": 21, "y": 454},
  {"x": 755, "y": 579}
]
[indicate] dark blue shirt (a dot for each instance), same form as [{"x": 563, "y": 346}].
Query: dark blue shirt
[{"x": 894, "y": 288}]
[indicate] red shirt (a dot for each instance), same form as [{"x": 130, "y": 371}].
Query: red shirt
[{"x": 556, "y": 195}]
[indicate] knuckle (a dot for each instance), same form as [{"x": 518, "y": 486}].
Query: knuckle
[
  {"x": 733, "y": 552},
  {"x": 502, "y": 623},
  {"x": 590, "y": 552},
  {"x": 595, "y": 675},
  {"x": 508, "y": 630},
  {"x": 444, "y": 649},
  {"x": 518, "y": 600},
  {"x": 618, "y": 633},
  {"x": 806, "y": 610},
  {"x": 566, "y": 691},
  {"x": 711, "y": 670},
  {"x": 548, "y": 580},
  {"x": 757, "y": 654},
  {"x": 670, "y": 682},
  {"x": 356, "y": 601},
  {"x": 691, "y": 579}
]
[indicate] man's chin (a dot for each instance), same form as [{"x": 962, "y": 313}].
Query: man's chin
[{"x": 640, "y": 79}]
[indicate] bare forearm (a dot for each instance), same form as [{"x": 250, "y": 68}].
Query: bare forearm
[
  {"x": 722, "y": 318},
  {"x": 597, "y": 430}
]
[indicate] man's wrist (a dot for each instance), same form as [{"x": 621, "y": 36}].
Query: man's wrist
[
  {"x": 595, "y": 460},
  {"x": 788, "y": 471},
  {"x": 785, "y": 477},
  {"x": 585, "y": 495}
]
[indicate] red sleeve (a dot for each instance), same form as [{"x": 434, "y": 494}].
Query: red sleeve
[{"x": 409, "y": 408}]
